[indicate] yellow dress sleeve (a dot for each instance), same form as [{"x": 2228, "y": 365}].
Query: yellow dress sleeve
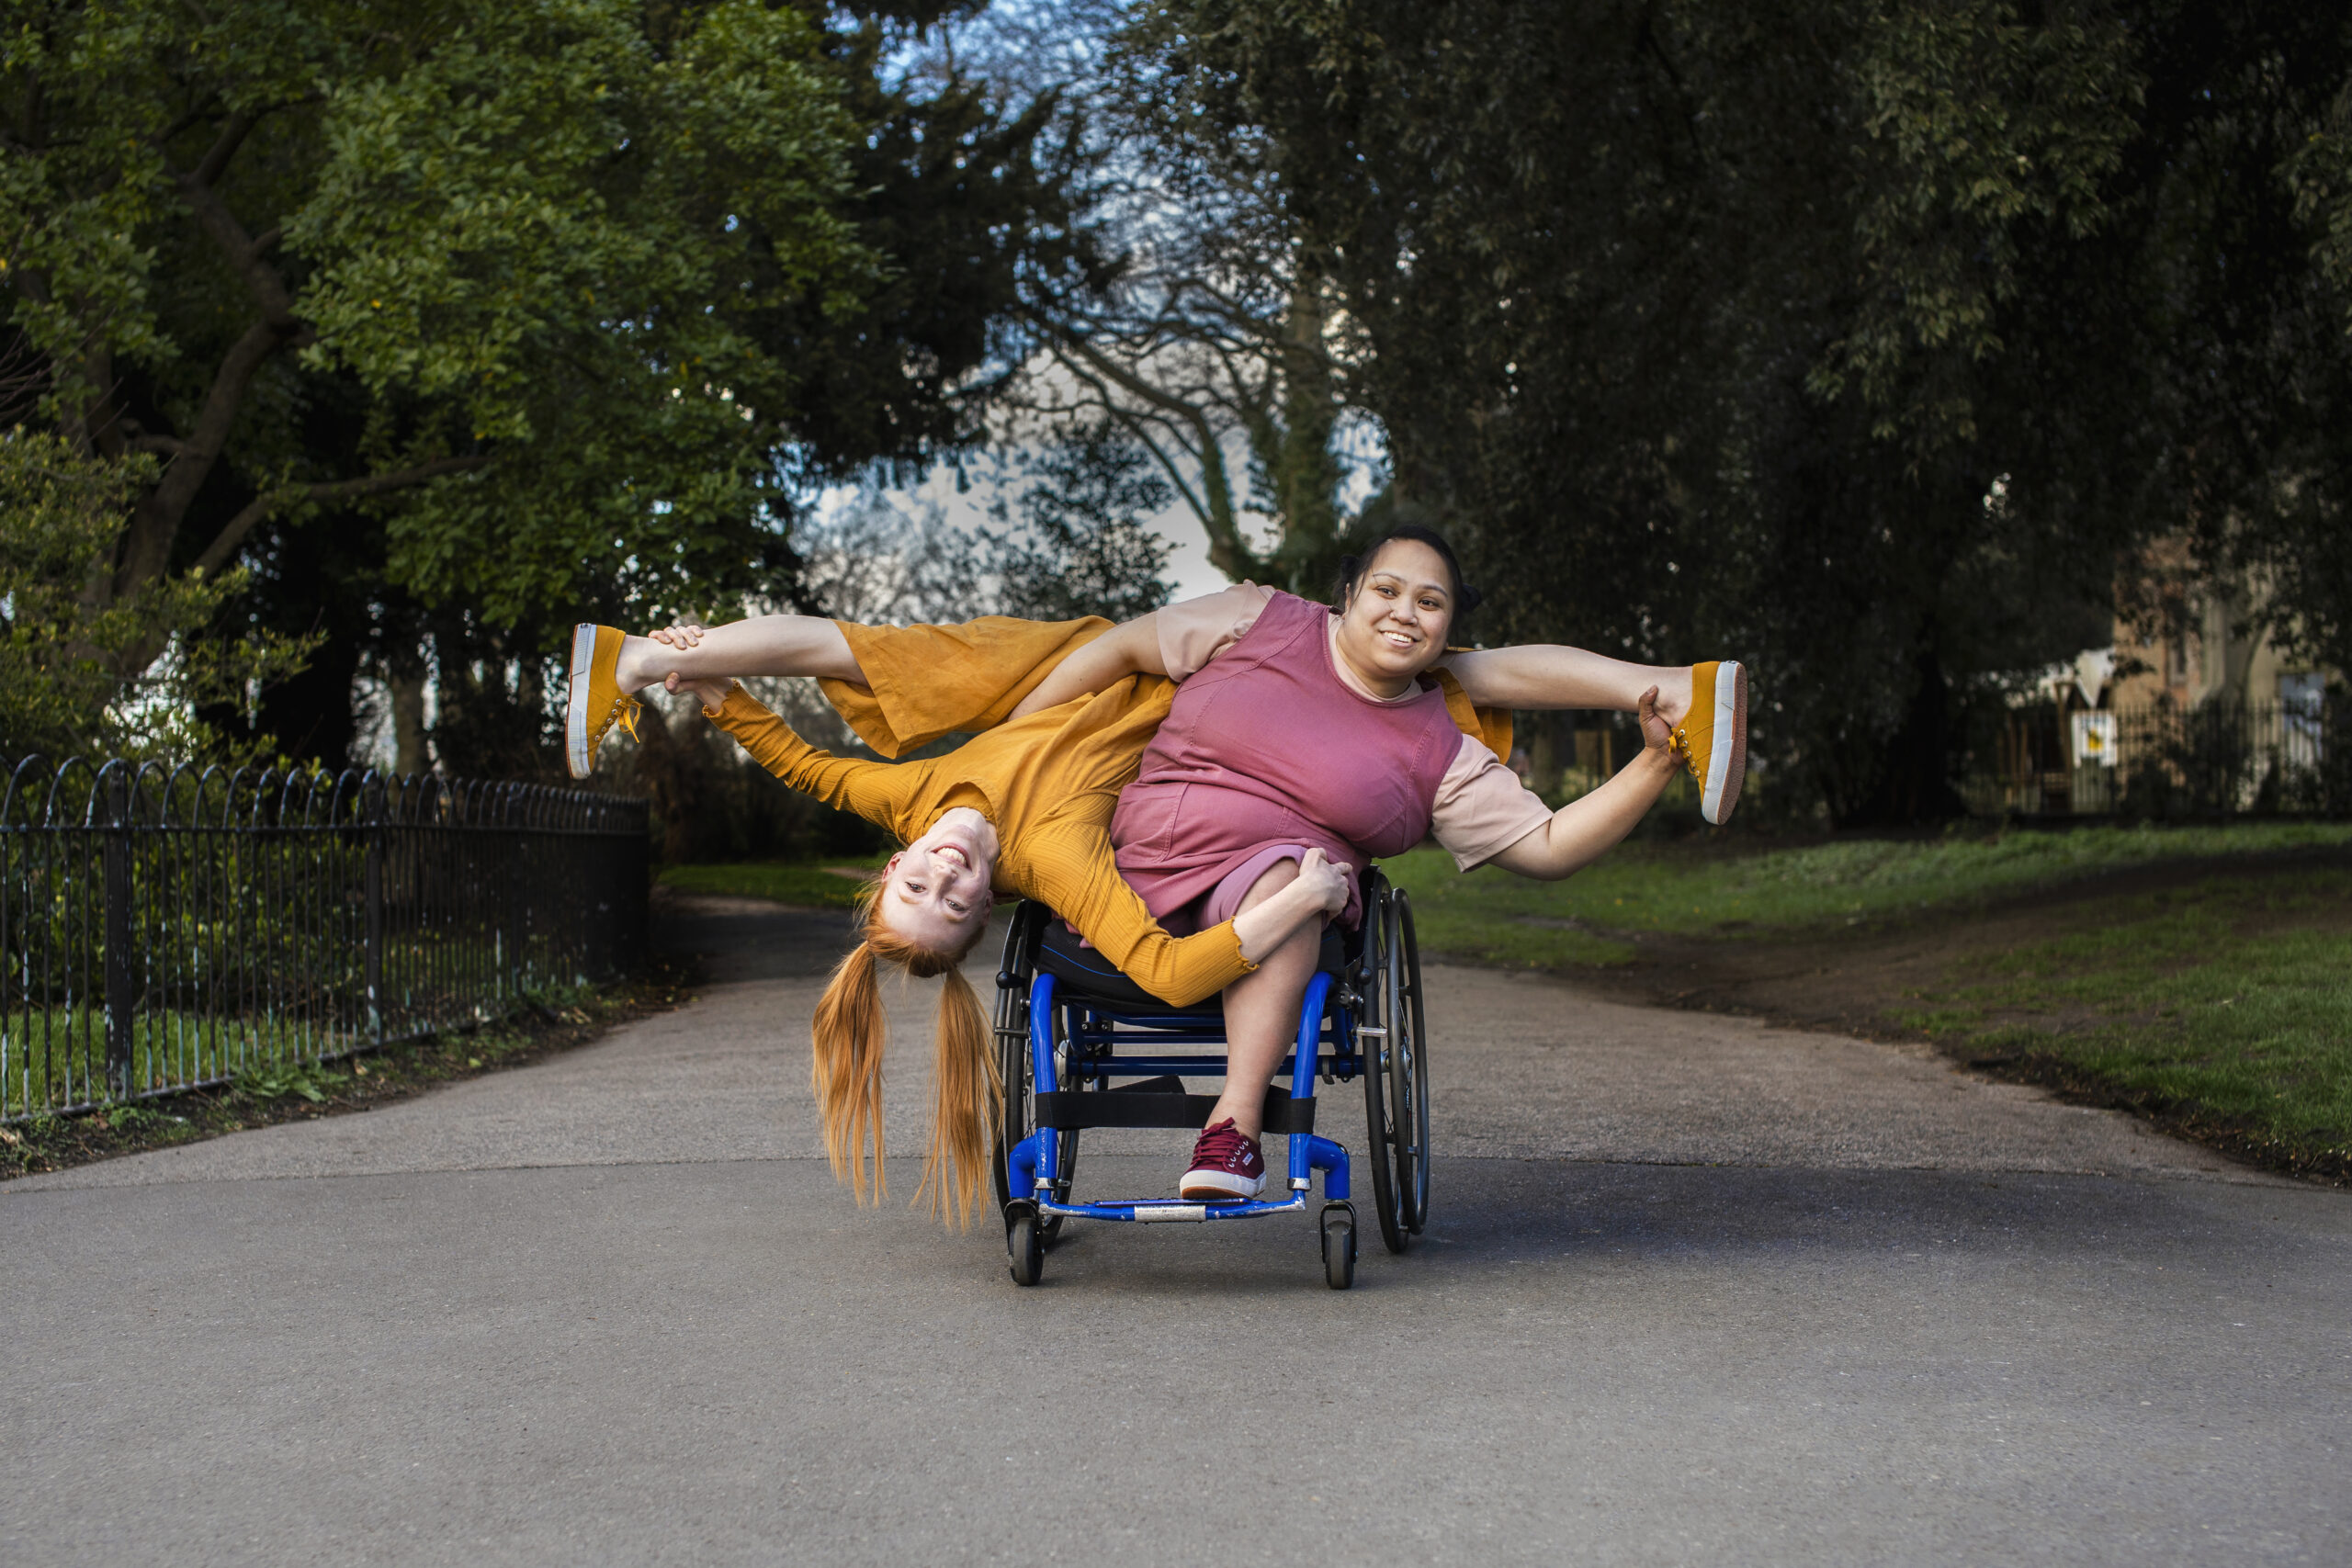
[
  {"x": 882, "y": 793},
  {"x": 1070, "y": 867}
]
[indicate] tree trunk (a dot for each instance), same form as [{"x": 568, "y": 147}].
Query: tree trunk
[
  {"x": 1913, "y": 773},
  {"x": 1305, "y": 476},
  {"x": 407, "y": 686}
]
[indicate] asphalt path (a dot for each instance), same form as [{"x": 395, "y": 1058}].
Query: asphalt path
[{"x": 1695, "y": 1291}]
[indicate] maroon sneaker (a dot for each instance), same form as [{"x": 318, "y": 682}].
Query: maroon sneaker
[{"x": 1225, "y": 1165}]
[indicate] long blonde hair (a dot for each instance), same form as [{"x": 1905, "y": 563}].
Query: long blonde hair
[{"x": 845, "y": 1068}]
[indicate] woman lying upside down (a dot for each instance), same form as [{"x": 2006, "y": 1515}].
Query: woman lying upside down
[{"x": 1299, "y": 744}]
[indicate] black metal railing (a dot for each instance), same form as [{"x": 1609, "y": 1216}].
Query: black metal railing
[
  {"x": 2219, "y": 759},
  {"x": 162, "y": 929}
]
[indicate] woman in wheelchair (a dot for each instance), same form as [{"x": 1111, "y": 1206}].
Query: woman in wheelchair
[
  {"x": 1296, "y": 742},
  {"x": 1295, "y": 729}
]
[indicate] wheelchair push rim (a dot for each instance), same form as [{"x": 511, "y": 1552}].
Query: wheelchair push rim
[{"x": 1017, "y": 1112}]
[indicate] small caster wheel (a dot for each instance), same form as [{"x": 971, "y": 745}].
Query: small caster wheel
[
  {"x": 1025, "y": 1241},
  {"x": 1339, "y": 1245}
]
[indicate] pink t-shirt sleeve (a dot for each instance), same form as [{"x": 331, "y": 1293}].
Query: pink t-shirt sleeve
[
  {"x": 1194, "y": 631},
  {"x": 1482, "y": 808}
]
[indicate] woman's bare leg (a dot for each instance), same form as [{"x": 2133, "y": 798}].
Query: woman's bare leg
[
  {"x": 1546, "y": 676},
  {"x": 1261, "y": 1011},
  {"x": 765, "y": 645}
]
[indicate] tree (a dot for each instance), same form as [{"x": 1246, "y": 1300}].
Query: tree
[
  {"x": 62, "y": 690},
  {"x": 553, "y": 307},
  {"x": 1843, "y": 336}
]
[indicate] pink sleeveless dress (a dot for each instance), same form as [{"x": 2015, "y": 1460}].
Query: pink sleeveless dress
[{"x": 1267, "y": 751}]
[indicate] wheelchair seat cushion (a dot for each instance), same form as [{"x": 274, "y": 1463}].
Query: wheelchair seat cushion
[{"x": 1062, "y": 954}]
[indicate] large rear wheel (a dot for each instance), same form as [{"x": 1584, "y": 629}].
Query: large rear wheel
[
  {"x": 1375, "y": 1031},
  {"x": 1409, "y": 1069}
]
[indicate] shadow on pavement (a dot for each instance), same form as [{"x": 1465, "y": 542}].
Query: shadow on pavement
[{"x": 735, "y": 939}]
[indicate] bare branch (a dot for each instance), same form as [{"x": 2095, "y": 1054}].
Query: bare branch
[
  {"x": 225, "y": 544},
  {"x": 1228, "y": 552}
]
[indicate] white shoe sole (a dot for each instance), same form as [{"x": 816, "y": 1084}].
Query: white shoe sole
[
  {"x": 1209, "y": 1186},
  {"x": 1728, "y": 756},
  {"x": 575, "y": 707}
]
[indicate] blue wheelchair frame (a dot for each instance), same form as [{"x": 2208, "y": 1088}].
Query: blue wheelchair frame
[
  {"x": 1065, "y": 1016},
  {"x": 1089, "y": 1024}
]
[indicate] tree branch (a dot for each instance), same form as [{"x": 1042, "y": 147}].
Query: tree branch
[
  {"x": 233, "y": 131},
  {"x": 243, "y": 251},
  {"x": 1228, "y": 552},
  {"x": 155, "y": 522},
  {"x": 216, "y": 555}
]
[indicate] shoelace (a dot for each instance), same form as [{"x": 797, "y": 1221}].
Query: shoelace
[
  {"x": 625, "y": 711},
  {"x": 1679, "y": 743}
]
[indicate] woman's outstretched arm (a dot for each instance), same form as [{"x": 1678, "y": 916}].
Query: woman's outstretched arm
[
  {"x": 880, "y": 792},
  {"x": 1131, "y": 648},
  {"x": 1530, "y": 676},
  {"x": 1583, "y": 830}
]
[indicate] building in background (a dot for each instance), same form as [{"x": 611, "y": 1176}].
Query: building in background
[{"x": 2195, "y": 709}]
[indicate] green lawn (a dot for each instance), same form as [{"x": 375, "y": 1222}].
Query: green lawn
[
  {"x": 57, "y": 1056},
  {"x": 2231, "y": 998},
  {"x": 1724, "y": 888},
  {"x": 786, "y": 882}
]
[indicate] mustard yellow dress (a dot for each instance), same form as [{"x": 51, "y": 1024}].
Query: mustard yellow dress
[{"x": 1047, "y": 783}]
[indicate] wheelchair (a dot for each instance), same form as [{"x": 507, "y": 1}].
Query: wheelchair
[{"x": 1081, "y": 1045}]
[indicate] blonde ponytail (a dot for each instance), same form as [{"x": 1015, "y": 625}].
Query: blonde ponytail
[
  {"x": 965, "y": 1089},
  {"x": 846, "y": 1069}
]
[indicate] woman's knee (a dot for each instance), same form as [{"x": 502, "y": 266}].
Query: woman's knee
[{"x": 1271, "y": 881}]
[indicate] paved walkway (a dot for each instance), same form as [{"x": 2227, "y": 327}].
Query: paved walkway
[{"x": 1696, "y": 1290}]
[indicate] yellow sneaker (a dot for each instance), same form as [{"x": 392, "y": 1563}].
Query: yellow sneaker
[
  {"x": 595, "y": 701},
  {"x": 1713, "y": 737}
]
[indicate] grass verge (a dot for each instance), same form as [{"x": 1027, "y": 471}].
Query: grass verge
[
  {"x": 1720, "y": 887},
  {"x": 298, "y": 1092},
  {"x": 2218, "y": 1007},
  {"x": 822, "y": 886},
  {"x": 2223, "y": 1008}
]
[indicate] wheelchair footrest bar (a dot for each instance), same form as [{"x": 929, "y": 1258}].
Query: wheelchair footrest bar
[
  {"x": 1167, "y": 1210},
  {"x": 1065, "y": 1108}
]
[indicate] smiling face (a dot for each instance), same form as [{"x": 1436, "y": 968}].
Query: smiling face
[
  {"x": 935, "y": 891},
  {"x": 1395, "y": 624}
]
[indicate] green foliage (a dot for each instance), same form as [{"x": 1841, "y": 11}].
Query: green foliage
[
  {"x": 308, "y": 1079},
  {"x": 57, "y": 1056},
  {"x": 1864, "y": 341},
  {"x": 76, "y": 675},
  {"x": 461, "y": 319},
  {"x": 564, "y": 233}
]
